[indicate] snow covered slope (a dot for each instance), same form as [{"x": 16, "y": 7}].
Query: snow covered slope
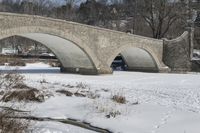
[{"x": 168, "y": 103}]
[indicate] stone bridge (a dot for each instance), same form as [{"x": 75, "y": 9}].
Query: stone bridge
[{"x": 85, "y": 49}]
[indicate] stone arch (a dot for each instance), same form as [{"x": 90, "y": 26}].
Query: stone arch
[
  {"x": 150, "y": 61},
  {"x": 90, "y": 65}
]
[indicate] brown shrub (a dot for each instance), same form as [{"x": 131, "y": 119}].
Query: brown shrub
[
  {"x": 77, "y": 94},
  {"x": 3, "y": 60},
  {"x": 113, "y": 114},
  {"x": 54, "y": 64},
  {"x": 43, "y": 81},
  {"x": 65, "y": 92},
  {"x": 12, "y": 61},
  {"x": 8, "y": 81},
  {"x": 11, "y": 125},
  {"x": 23, "y": 95},
  {"x": 81, "y": 85},
  {"x": 21, "y": 86},
  {"x": 68, "y": 93},
  {"x": 93, "y": 95},
  {"x": 8, "y": 124},
  {"x": 17, "y": 62},
  {"x": 1, "y": 92},
  {"x": 119, "y": 99}
]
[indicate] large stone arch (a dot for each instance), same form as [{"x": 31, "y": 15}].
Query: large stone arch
[{"x": 82, "y": 64}]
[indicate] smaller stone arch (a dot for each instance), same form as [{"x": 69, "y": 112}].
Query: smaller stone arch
[{"x": 137, "y": 58}]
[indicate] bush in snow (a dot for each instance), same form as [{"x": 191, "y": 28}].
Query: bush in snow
[
  {"x": 26, "y": 95},
  {"x": 8, "y": 81},
  {"x": 119, "y": 98},
  {"x": 9, "y": 124},
  {"x": 14, "y": 88},
  {"x": 65, "y": 92}
]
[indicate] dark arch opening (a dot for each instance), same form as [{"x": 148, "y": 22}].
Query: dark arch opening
[
  {"x": 134, "y": 59},
  {"x": 119, "y": 63},
  {"x": 73, "y": 59}
]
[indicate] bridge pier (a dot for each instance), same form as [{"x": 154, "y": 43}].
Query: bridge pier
[
  {"x": 164, "y": 69},
  {"x": 104, "y": 70},
  {"x": 85, "y": 71}
]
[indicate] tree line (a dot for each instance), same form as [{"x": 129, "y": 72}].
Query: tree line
[{"x": 153, "y": 18}]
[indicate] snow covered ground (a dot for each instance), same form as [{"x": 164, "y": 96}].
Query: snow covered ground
[{"x": 168, "y": 103}]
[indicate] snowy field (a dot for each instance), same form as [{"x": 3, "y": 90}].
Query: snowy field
[{"x": 167, "y": 103}]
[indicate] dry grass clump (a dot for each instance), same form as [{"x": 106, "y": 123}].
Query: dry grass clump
[
  {"x": 113, "y": 114},
  {"x": 65, "y": 92},
  {"x": 21, "y": 86},
  {"x": 108, "y": 108},
  {"x": 23, "y": 95},
  {"x": 8, "y": 81},
  {"x": 16, "y": 62},
  {"x": 8, "y": 122},
  {"x": 82, "y": 90},
  {"x": 77, "y": 94},
  {"x": 14, "y": 88},
  {"x": 1, "y": 92},
  {"x": 2, "y": 60},
  {"x": 93, "y": 95},
  {"x": 119, "y": 98},
  {"x": 79, "y": 85},
  {"x": 11, "y": 125},
  {"x": 11, "y": 61},
  {"x": 54, "y": 64},
  {"x": 89, "y": 94},
  {"x": 43, "y": 81},
  {"x": 68, "y": 93}
]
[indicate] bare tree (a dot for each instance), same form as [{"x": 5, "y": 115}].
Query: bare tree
[
  {"x": 70, "y": 11},
  {"x": 160, "y": 15}
]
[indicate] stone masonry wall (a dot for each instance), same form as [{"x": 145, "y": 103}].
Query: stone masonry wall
[{"x": 176, "y": 53}]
